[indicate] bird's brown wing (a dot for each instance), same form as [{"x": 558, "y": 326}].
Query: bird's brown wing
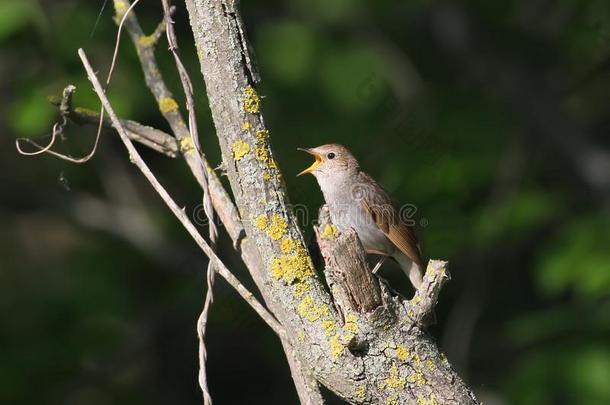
[{"x": 383, "y": 212}]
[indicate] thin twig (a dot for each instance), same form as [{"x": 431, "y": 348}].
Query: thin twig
[
  {"x": 153, "y": 138},
  {"x": 176, "y": 210},
  {"x": 421, "y": 306},
  {"x": 187, "y": 87},
  {"x": 221, "y": 201},
  {"x": 57, "y": 129}
]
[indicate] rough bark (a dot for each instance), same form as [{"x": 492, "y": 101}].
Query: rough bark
[
  {"x": 363, "y": 342},
  {"x": 305, "y": 384}
]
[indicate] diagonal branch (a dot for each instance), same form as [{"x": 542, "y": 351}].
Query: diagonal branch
[
  {"x": 223, "y": 205},
  {"x": 187, "y": 87},
  {"x": 378, "y": 354},
  {"x": 168, "y": 107},
  {"x": 177, "y": 211}
]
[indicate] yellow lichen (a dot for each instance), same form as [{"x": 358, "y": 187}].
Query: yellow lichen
[
  {"x": 391, "y": 400},
  {"x": 261, "y": 222},
  {"x": 146, "y": 40},
  {"x": 329, "y": 232},
  {"x": 262, "y": 135},
  {"x": 251, "y": 101},
  {"x": 336, "y": 346},
  {"x": 295, "y": 267},
  {"x": 402, "y": 353},
  {"x": 287, "y": 245},
  {"x": 329, "y": 327},
  {"x": 360, "y": 392},
  {"x": 301, "y": 336},
  {"x": 417, "y": 378},
  {"x": 246, "y": 126},
  {"x": 85, "y": 111},
  {"x": 261, "y": 153},
  {"x": 431, "y": 400},
  {"x": 120, "y": 7},
  {"x": 267, "y": 176},
  {"x": 417, "y": 362},
  {"x": 311, "y": 311},
  {"x": 185, "y": 144},
  {"x": 278, "y": 227},
  {"x": 430, "y": 365},
  {"x": 351, "y": 323},
  {"x": 300, "y": 289},
  {"x": 167, "y": 104},
  {"x": 394, "y": 380},
  {"x": 240, "y": 149}
]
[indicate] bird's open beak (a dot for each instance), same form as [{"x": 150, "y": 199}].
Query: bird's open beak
[{"x": 314, "y": 165}]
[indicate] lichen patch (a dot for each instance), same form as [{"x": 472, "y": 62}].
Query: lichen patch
[
  {"x": 329, "y": 327},
  {"x": 293, "y": 267},
  {"x": 262, "y": 135},
  {"x": 252, "y": 101},
  {"x": 278, "y": 227},
  {"x": 329, "y": 232},
  {"x": 146, "y": 40},
  {"x": 311, "y": 310},
  {"x": 351, "y": 323},
  {"x": 394, "y": 380},
  {"x": 167, "y": 104},
  {"x": 186, "y": 144},
  {"x": 287, "y": 245},
  {"x": 261, "y": 222},
  {"x": 402, "y": 353},
  {"x": 240, "y": 149},
  {"x": 417, "y": 378}
]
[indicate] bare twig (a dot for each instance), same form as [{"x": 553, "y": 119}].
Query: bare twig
[
  {"x": 423, "y": 303},
  {"x": 176, "y": 210},
  {"x": 57, "y": 129},
  {"x": 168, "y": 107},
  {"x": 187, "y": 87},
  {"x": 153, "y": 138},
  {"x": 223, "y": 205}
]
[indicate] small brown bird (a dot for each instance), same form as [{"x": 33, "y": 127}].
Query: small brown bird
[{"x": 356, "y": 201}]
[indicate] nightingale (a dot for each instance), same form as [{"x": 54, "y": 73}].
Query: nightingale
[{"x": 356, "y": 201}]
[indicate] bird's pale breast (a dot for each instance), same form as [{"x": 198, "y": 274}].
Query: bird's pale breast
[{"x": 347, "y": 211}]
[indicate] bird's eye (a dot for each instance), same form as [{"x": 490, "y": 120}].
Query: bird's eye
[{"x": 331, "y": 155}]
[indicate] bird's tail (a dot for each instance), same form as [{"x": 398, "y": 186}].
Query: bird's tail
[{"x": 411, "y": 269}]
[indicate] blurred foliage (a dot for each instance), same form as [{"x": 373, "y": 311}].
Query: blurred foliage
[{"x": 491, "y": 118}]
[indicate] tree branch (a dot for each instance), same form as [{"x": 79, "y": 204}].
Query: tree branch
[
  {"x": 148, "y": 136},
  {"x": 223, "y": 205},
  {"x": 169, "y": 109},
  {"x": 376, "y": 355},
  {"x": 178, "y": 212}
]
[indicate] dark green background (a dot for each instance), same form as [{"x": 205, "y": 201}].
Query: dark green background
[{"x": 492, "y": 118}]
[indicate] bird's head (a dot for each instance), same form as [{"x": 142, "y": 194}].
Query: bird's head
[{"x": 331, "y": 160}]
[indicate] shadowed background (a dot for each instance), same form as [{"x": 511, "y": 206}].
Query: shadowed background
[{"x": 490, "y": 119}]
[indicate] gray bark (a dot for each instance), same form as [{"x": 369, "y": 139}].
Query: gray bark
[{"x": 361, "y": 340}]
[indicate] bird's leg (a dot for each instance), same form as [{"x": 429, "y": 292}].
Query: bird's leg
[{"x": 379, "y": 263}]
